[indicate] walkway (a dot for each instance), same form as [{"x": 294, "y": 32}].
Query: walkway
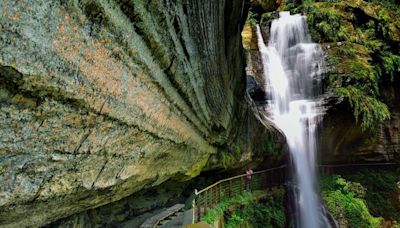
[{"x": 210, "y": 196}]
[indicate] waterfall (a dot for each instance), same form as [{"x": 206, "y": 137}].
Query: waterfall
[{"x": 293, "y": 69}]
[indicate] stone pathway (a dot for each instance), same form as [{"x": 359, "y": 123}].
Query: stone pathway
[{"x": 172, "y": 216}]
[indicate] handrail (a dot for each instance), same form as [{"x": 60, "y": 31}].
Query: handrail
[
  {"x": 210, "y": 199},
  {"x": 360, "y": 164},
  {"x": 238, "y": 176},
  {"x": 210, "y": 196}
]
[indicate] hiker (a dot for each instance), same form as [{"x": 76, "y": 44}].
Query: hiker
[{"x": 249, "y": 173}]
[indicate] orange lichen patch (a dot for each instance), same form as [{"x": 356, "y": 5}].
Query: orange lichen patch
[
  {"x": 27, "y": 8},
  {"x": 5, "y": 8},
  {"x": 94, "y": 61},
  {"x": 10, "y": 11},
  {"x": 15, "y": 16}
]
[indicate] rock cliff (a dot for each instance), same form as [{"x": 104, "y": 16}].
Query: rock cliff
[{"x": 101, "y": 99}]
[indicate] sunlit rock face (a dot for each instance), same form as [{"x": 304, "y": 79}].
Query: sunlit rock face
[{"x": 101, "y": 99}]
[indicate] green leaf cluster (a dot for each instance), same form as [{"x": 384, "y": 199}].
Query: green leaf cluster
[
  {"x": 369, "y": 109},
  {"x": 268, "y": 212},
  {"x": 382, "y": 189},
  {"x": 389, "y": 65},
  {"x": 252, "y": 18},
  {"x": 216, "y": 212},
  {"x": 344, "y": 199}
]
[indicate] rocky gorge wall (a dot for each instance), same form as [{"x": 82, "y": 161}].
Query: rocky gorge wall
[{"x": 101, "y": 99}]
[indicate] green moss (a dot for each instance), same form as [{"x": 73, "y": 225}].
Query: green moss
[
  {"x": 227, "y": 159},
  {"x": 325, "y": 23},
  {"x": 344, "y": 199}
]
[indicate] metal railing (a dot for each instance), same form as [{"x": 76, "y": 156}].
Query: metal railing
[
  {"x": 210, "y": 196},
  {"x": 355, "y": 167}
]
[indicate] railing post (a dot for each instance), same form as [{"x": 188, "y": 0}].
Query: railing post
[
  {"x": 194, "y": 206},
  {"x": 219, "y": 193},
  {"x": 215, "y": 196},
  {"x": 208, "y": 201},
  {"x": 240, "y": 185},
  {"x": 230, "y": 188}
]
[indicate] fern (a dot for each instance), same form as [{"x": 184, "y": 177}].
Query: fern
[{"x": 371, "y": 111}]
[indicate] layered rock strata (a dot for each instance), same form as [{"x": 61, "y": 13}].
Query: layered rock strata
[{"x": 100, "y": 99}]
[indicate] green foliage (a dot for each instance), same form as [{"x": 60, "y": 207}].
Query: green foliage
[
  {"x": 215, "y": 213},
  {"x": 235, "y": 219},
  {"x": 252, "y": 18},
  {"x": 382, "y": 188},
  {"x": 288, "y": 6},
  {"x": 344, "y": 200},
  {"x": 390, "y": 64},
  {"x": 267, "y": 18},
  {"x": 333, "y": 60},
  {"x": 388, "y": 4},
  {"x": 361, "y": 70},
  {"x": 325, "y": 24},
  {"x": 347, "y": 50},
  {"x": 268, "y": 212},
  {"x": 369, "y": 109}
]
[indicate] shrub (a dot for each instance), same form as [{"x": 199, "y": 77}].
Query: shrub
[
  {"x": 268, "y": 212},
  {"x": 381, "y": 187},
  {"x": 343, "y": 201},
  {"x": 216, "y": 212}
]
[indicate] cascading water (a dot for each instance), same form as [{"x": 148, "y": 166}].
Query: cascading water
[{"x": 293, "y": 68}]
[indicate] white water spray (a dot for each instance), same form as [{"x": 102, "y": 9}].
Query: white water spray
[{"x": 293, "y": 68}]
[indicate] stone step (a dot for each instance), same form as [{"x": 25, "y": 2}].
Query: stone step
[{"x": 155, "y": 220}]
